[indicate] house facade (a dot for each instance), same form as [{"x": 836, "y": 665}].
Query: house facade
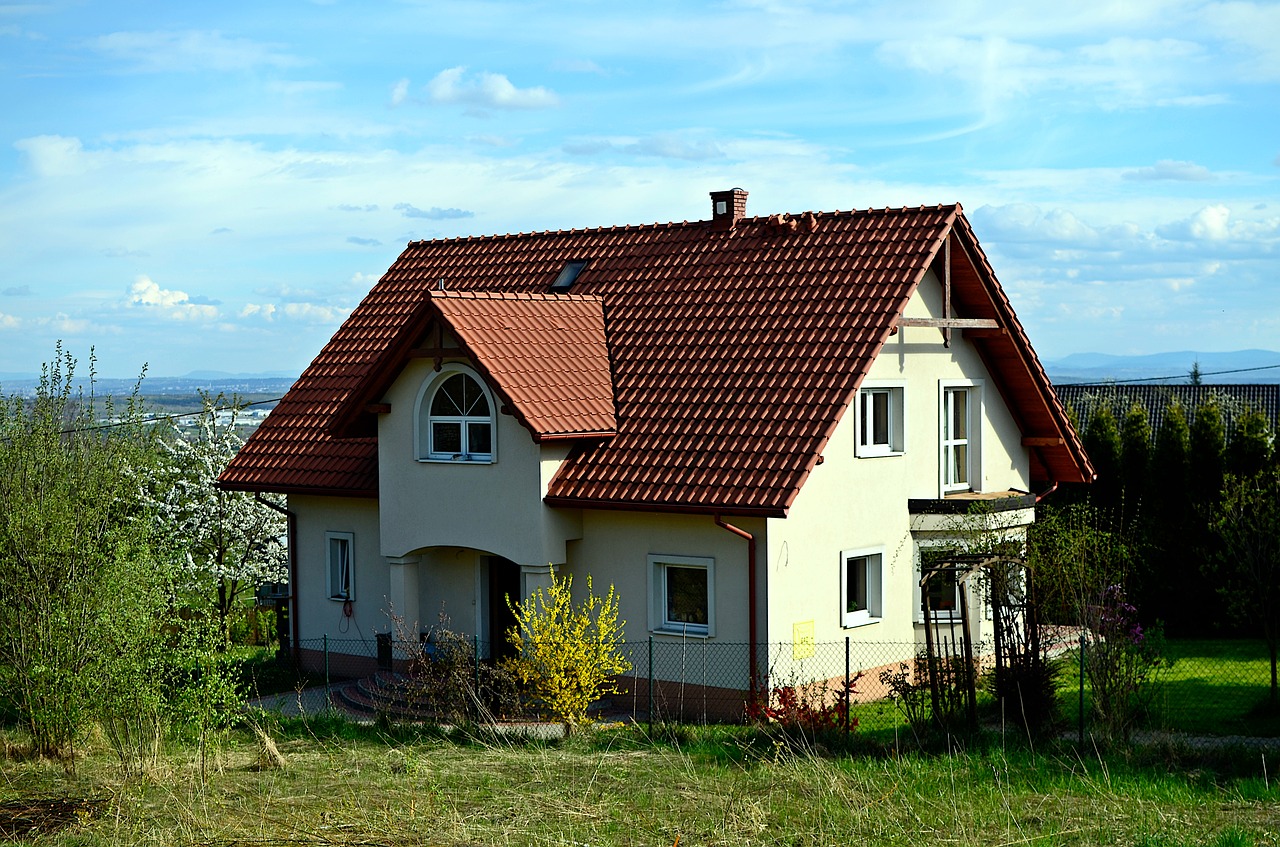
[{"x": 758, "y": 430}]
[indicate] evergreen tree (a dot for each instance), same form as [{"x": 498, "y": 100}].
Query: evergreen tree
[
  {"x": 1173, "y": 571},
  {"x": 1102, "y": 443},
  {"x": 1135, "y": 455},
  {"x": 1208, "y": 454},
  {"x": 1249, "y": 450},
  {"x": 1205, "y": 473}
]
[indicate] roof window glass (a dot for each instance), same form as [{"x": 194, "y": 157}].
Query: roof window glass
[{"x": 568, "y": 275}]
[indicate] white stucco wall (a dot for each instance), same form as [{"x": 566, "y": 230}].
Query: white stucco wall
[
  {"x": 317, "y": 614},
  {"x": 493, "y": 507},
  {"x": 616, "y": 548}
]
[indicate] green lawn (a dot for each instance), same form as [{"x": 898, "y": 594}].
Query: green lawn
[
  {"x": 620, "y": 786},
  {"x": 1216, "y": 688},
  {"x": 1213, "y": 688}
]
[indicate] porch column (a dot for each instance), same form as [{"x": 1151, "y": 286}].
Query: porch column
[
  {"x": 533, "y": 577},
  {"x": 402, "y": 595}
]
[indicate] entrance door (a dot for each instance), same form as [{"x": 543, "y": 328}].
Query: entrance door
[{"x": 504, "y": 582}]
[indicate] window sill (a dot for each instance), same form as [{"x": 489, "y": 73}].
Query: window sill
[
  {"x": 682, "y": 633},
  {"x": 342, "y": 599},
  {"x": 876, "y": 454},
  {"x": 857, "y": 624},
  {"x": 440, "y": 460}
]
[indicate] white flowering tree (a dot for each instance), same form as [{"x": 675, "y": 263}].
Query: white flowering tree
[{"x": 228, "y": 542}]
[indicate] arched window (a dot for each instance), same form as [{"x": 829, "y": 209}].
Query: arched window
[{"x": 455, "y": 420}]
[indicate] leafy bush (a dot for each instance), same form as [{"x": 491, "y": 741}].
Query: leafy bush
[
  {"x": 568, "y": 655},
  {"x": 813, "y": 707},
  {"x": 1121, "y": 661}
]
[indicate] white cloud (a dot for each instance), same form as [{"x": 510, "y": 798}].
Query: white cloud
[
  {"x": 667, "y": 145},
  {"x": 53, "y": 155},
  {"x": 1252, "y": 27},
  {"x": 173, "y": 304},
  {"x": 1171, "y": 170},
  {"x": 315, "y": 313},
  {"x": 400, "y": 91},
  {"x": 486, "y": 89},
  {"x": 1024, "y": 222},
  {"x": 1212, "y": 223},
  {"x": 266, "y": 311},
  {"x": 364, "y": 280},
  {"x": 190, "y": 50},
  {"x": 9, "y": 321},
  {"x": 435, "y": 213}
]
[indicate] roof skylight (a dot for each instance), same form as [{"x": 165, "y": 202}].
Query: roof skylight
[{"x": 568, "y": 275}]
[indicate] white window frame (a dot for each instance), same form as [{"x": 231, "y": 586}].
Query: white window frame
[
  {"x": 422, "y": 430},
  {"x": 896, "y": 391},
  {"x": 871, "y": 560},
  {"x": 972, "y": 441},
  {"x": 943, "y": 614},
  {"x": 658, "y": 621},
  {"x": 332, "y": 572}
]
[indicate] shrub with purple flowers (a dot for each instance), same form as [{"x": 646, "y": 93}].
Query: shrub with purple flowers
[{"x": 1121, "y": 662}]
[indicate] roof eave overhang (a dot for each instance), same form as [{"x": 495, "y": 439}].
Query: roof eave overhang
[
  {"x": 668, "y": 508},
  {"x": 543, "y": 438},
  {"x": 362, "y": 493}
]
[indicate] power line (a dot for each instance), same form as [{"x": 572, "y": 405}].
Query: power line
[{"x": 1178, "y": 376}]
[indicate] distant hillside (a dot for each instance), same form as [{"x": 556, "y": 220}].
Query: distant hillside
[
  {"x": 1238, "y": 366},
  {"x": 168, "y": 388}
]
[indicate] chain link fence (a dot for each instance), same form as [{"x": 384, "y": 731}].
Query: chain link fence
[{"x": 1201, "y": 689}]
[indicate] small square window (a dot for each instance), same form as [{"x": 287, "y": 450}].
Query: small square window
[
  {"x": 682, "y": 590},
  {"x": 861, "y": 598},
  {"x": 881, "y": 416},
  {"x": 341, "y": 567}
]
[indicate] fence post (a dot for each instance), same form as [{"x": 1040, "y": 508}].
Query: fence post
[
  {"x": 327, "y": 693},
  {"x": 1082, "y": 642},
  {"x": 650, "y": 683},
  {"x": 847, "y": 716},
  {"x": 477, "y": 669}
]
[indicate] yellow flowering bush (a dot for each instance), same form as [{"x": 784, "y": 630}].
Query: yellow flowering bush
[{"x": 568, "y": 655}]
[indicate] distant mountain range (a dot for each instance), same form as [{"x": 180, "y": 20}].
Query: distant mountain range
[{"x": 1238, "y": 366}]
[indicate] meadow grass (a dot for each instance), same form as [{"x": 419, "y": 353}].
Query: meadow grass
[{"x": 622, "y": 785}]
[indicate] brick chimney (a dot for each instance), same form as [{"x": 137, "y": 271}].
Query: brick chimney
[{"x": 727, "y": 208}]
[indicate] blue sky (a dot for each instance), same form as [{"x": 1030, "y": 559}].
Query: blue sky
[{"x": 215, "y": 186}]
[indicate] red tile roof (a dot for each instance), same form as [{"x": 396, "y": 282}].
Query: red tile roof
[{"x": 733, "y": 354}]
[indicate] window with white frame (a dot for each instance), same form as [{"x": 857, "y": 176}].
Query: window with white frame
[
  {"x": 881, "y": 417},
  {"x": 940, "y": 584},
  {"x": 682, "y": 595},
  {"x": 861, "y": 597},
  {"x": 455, "y": 418},
  {"x": 961, "y": 416},
  {"x": 340, "y": 553}
]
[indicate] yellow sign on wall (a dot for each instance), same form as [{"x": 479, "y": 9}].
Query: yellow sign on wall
[{"x": 802, "y": 643}]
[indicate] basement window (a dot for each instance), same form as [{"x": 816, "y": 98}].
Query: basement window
[{"x": 568, "y": 275}]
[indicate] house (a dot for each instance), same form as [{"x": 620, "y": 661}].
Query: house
[{"x": 755, "y": 428}]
